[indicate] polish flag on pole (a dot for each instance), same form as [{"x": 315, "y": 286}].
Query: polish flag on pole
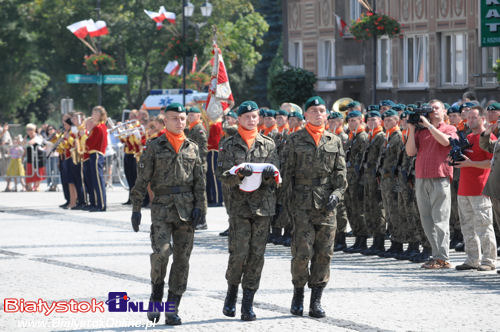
[
  {"x": 220, "y": 98},
  {"x": 195, "y": 61},
  {"x": 341, "y": 25},
  {"x": 172, "y": 67},
  {"x": 97, "y": 29},
  {"x": 181, "y": 68},
  {"x": 169, "y": 16},
  {"x": 157, "y": 17},
  {"x": 79, "y": 29},
  {"x": 159, "y": 25}
]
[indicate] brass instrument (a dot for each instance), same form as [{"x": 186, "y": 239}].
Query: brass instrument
[
  {"x": 123, "y": 126},
  {"x": 340, "y": 105},
  {"x": 296, "y": 108}
]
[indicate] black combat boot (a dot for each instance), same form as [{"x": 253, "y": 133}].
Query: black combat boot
[
  {"x": 423, "y": 256},
  {"x": 225, "y": 233},
  {"x": 355, "y": 246},
  {"x": 412, "y": 250},
  {"x": 315, "y": 309},
  {"x": 229, "y": 309},
  {"x": 156, "y": 296},
  {"x": 460, "y": 247},
  {"x": 340, "y": 242},
  {"x": 247, "y": 305},
  {"x": 276, "y": 234},
  {"x": 390, "y": 250},
  {"x": 398, "y": 249},
  {"x": 362, "y": 245},
  {"x": 377, "y": 246},
  {"x": 172, "y": 318},
  {"x": 454, "y": 240},
  {"x": 297, "y": 307},
  {"x": 287, "y": 238}
]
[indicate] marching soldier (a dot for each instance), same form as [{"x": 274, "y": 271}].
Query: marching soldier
[
  {"x": 336, "y": 125},
  {"x": 375, "y": 222},
  {"x": 197, "y": 133},
  {"x": 270, "y": 128},
  {"x": 358, "y": 140},
  {"x": 295, "y": 121},
  {"x": 393, "y": 145},
  {"x": 314, "y": 181},
  {"x": 179, "y": 199},
  {"x": 249, "y": 212}
]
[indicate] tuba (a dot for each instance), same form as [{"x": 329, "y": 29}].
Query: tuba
[{"x": 340, "y": 105}]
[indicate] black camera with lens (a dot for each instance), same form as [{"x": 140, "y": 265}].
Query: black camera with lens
[
  {"x": 458, "y": 146},
  {"x": 415, "y": 113}
]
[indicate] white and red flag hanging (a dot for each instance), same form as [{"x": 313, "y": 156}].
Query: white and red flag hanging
[
  {"x": 97, "y": 29},
  {"x": 341, "y": 25},
  {"x": 220, "y": 98},
  {"x": 160, "y": 16},
  {"x": 195, "y": 61},
  {"x": 172, "y": 67},
  {"x": 79, "y": 29}
]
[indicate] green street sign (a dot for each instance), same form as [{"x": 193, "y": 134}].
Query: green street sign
[
  {"x": 95, "y": 79},
  {"x": 81, "y": 79},
  {"x": 115, "y": 79},
  {"x": 489, "y": 23}
]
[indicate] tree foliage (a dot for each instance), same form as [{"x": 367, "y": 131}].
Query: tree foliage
[{"x": 293, "y": 85}]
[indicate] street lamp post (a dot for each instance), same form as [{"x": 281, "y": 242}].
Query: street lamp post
[{"x": 187, "y": 11}]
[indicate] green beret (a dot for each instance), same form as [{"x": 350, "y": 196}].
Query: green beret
[
  {"x": 314, "y": 101},
  {"x": 404, "y": 115},
  {"x": 390, "y": 112},
  {"x": 446, "y": 106},
  {"x": 411, "y": 107},
  {"x": 247, "y": 106},
  {"x": 232, "y": 114},
  {"x": 373, "y": 107},
  {"x": 194, "y": 109},
  {"x": 469, "y": 104},
  {"x": 455, "y": 108},
  {"x": 372, "y": 114},
  {"x": 262, "y": 111},
  {"x": 335, "y": 115},
  {"x": 353, "y": 104},
  {"x": 399, "y": 107},
  {"x": 176, "y": 107},
  {"x": 282, "y": 112},
  {"x": 387, "y": 102},
  {"x": 269, "y": 113},
  {"x": 354, "y": 114},
  {"x": 296, "y": 115},
  {"x": 494, "y": 107}
]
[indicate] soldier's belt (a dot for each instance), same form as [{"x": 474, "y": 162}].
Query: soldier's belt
[
  {"x": 311, "y": 182},
  {"x": 174, "y": 190}
]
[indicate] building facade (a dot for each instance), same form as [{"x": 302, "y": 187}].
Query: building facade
[{"x": 437, "y": 55}]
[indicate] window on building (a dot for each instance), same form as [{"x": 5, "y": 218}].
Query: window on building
[
  {"x": 295, "y": 54},
  {"x": 489, "y": 59},
  {"x": 384, "y": 62},
  {"x": 354, "y": 10},
  {"x": 326, "y": 64},
  {"x": 415, "y": 60},
  {"x": 454, "y": 59}
]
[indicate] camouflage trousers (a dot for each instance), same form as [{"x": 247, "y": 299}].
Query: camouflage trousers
[
  {"x": 454, "y": 216},
  {"x": 411, "y": 228},
  {"x": 341, "y": 218},
  {"x": 247, "y": 244},
  {"x": 353, "y": 200},
  {"x": 170, "y": 235},
  {"x": 313, "y": 238},
  {"x": 372, "y": 203},
  {"x": 390, "y": 202}
]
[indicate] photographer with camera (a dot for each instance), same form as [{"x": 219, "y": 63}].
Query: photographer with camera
[
  {"x": 476, "y": 219},
  {"x": 432, "y": 179}
]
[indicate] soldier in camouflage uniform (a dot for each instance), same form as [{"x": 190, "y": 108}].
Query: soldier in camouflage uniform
[
  {"x": 174, "y": 163},
  {"x": 196, "y": 132},
  {"x": 249, "y": 212},
  {"x": 336, "y": 126},
  {"x": 375, "y": 221},
  {"x": 314, "y": 178},
  {"x": 388, "y": 160},
  {"x": 358, "y": 139}
]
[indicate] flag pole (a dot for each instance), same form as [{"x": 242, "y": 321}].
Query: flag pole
[{"x": 87, "y": 44}]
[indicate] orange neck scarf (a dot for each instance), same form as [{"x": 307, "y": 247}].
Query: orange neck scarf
[
  {"x": 191, "y": 125},
  {"x": 248, "y": 135},
  {"x": 461, "y": 125},
  {"x": 339, "y": 130},
  {"x": 360, "y": 129},
  {"x": 405, "y": 135},
  {"x": 315, "y": 131},
  {"x": 375, "y": 131},
  {"x": 261, "y": 128},
  {"x": 175, "y": 139},
  {"x": 267, "y": 130},
  {"x": 390, "y": 131},
  {"x": 294, "y": 129},
  {"x": 283, "y": 128}
]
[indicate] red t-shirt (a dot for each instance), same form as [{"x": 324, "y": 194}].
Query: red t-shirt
[
  {"x": 473, "y": 179},
  {"x": 432, "y": 157}
]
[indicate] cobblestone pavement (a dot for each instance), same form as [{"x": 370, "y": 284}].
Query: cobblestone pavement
[{"x": 56, "y": 255}]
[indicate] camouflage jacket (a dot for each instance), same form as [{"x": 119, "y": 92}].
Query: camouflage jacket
[
  {"x": 167, "y": 170},
  {"x": 392, "y": 151},
  {"x": 371, "y": 155},
  {"x": 354, "y": 154},
  {"x": 198, "y": 134},
  {"x": 234, "y": 151},
  {"x": 312, "y": 173}
]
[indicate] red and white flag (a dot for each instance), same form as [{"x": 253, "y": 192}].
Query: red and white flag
[
  {"x": 341, "y": 25},
  {"x": 220, "y": 98},
  {"x": 157, "y": 17},
  {"x": 172, "y": 67},
  {"x": 79, "y": 29},
  {"x": 195, "y": 61},
  {"x": 160, "y": 16},
  {"x": 169, "y": 16},
  {"x": 159, "y": 25},
  {"x": 181, "y": 68},
  {"x": 96, "y": 29}
]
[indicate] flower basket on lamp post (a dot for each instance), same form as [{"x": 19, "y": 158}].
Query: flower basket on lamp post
[
  {"x": 373, "y": 24},
  {"x": 99, "y": 62}
]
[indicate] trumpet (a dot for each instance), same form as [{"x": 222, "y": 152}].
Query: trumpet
[
  {"x": 124, "y": 126},
  {"x": 138, "y": 132}
]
